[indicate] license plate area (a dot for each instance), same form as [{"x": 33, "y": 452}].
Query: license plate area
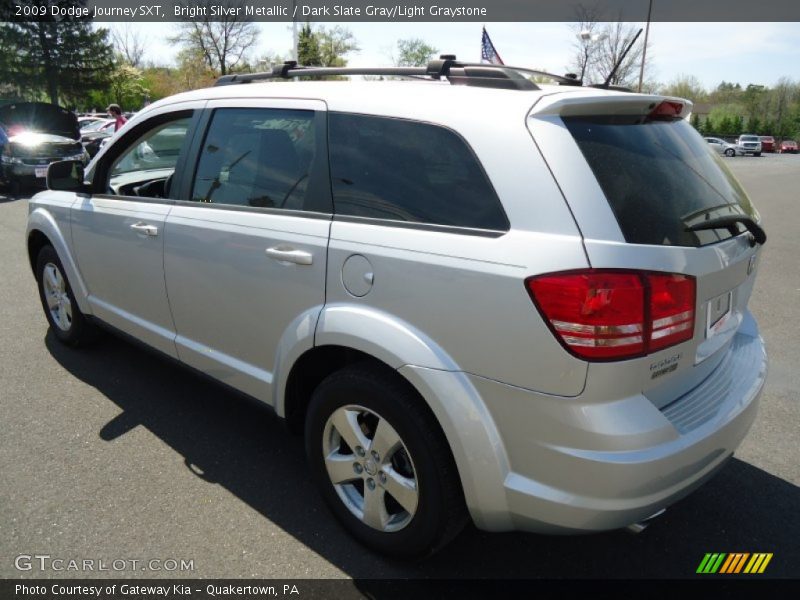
[
  {"x": 40, "y": 171},
  {"x": 718, "y": 311}
]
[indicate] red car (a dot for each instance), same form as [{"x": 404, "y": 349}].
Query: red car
[
  {"x": 788, "y": 147},
  {"x": 767, "y": 143}
]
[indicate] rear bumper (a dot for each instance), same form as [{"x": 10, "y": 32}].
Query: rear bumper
[{"x": 578, "y": 466}]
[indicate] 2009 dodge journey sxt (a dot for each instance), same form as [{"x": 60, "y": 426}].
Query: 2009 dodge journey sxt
[{"x": 476, "y": 296}]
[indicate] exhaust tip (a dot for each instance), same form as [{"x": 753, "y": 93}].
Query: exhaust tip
[{"x": 636, "y": 528}]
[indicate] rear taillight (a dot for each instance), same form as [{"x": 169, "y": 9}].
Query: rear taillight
[{"x": 613, "y": 314}]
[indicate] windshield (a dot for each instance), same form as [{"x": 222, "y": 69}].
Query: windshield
[
  {"x": 749, "y": 138},
  {"x": 659, "y": 177}
]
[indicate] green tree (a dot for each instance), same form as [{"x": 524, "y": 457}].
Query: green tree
[
  {"x": 127, "y": 86},
  {"x": 308, "y": 52},
  {"x": 709, "y": 127},
  {"x": 325, "y": 47},
  {"x": 686, "y": 86},
  {"x": 753, "y": 125},
  {"x": 414, "y": 52},
  {"x": 58, "y": 60},
  {"x": 335, "y": 44},
  {"x": 752, "y": 99},
  {"x": 696, "y": 121}
]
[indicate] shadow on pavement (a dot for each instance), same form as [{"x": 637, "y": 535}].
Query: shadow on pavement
[{"x": 241, "y": 445}]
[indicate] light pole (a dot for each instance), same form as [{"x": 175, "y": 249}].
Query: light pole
[
  {"x": 294, "y": 32},
  {"x": 644, "y": 51}
]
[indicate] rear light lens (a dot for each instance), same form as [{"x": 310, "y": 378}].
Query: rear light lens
[{"x": 612, "y": 315}]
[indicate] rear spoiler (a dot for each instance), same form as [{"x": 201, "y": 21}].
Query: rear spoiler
[{"x": 579, "y": 104}]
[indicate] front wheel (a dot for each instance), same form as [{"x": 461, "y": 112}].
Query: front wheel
[
  {"x": 730, "y": 152},
  {"x": 757, "y": 154},
  {"x": 382, "y": 464},
  {"x": 66, "y": 320}
]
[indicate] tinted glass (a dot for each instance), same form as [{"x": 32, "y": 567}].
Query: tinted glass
[
  {"x": 659, "y": 177},
  {"x": 159, "y": 148},
  {"x": 408, "y": 171},
  {"x": 256, "y": 157},
  {"x": 145, "y": 167}
]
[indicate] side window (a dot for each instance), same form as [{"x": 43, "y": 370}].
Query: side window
[
  {"x": 259, "y": 157},
  {"x": 409, "y": 171},
  {"x": 145, "y": 167}
]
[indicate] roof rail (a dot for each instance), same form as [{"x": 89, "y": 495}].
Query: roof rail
[{"x": 445, "y": 67}]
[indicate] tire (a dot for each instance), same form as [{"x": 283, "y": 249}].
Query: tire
[
  {"x": 757, "y": 154},
  {"x": 66, "y": 320},
  {"x": 416, "y": 504},
  {"x": 730, "y": 152}
]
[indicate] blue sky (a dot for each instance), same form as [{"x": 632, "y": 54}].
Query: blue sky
[{"x": 740, "y": 52}]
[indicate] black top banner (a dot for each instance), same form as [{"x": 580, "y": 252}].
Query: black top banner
[{"x": 401, "y": 10}]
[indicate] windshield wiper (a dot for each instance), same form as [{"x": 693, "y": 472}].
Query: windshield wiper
[{"x": 729, "y": 222}]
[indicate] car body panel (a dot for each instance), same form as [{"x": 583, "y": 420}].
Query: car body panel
[
  {"x": 724, "y": 148},
  {"x": 49, "y": 215},
  {"x": 210, "y": 252},
  {"x": 124, "y": 268}
]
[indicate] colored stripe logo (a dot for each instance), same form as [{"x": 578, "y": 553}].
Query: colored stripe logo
[{"x": 734, "y": 563}]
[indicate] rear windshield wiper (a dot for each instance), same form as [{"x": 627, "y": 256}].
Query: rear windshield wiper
[{"x": 729, "y": 222}]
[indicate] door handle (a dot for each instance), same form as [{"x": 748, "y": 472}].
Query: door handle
[
  {"x": 145, "y": 229},
  {"x": 286, "y": 254}
]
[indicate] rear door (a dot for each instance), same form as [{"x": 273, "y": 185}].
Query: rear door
[
  {"x": 245, "y": 255},
  {"x": 637, "y": 177}
]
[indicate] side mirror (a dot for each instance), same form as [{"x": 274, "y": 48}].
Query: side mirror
[{"x": 66, "y": 176}]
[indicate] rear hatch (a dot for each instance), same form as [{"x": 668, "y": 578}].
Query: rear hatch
[{"x": 656, "y": 207}]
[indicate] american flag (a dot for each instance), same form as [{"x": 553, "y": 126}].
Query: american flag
[{"x": 488, "y": 52}]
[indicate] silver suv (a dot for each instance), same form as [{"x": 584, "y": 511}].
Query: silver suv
[
  {"x": 477, "y": 297},
  {"x": 749, "y": 144}
]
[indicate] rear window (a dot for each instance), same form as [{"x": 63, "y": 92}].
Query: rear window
[{"x": 659, "y": 177}]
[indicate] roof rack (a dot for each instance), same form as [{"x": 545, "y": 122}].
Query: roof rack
[{"x": 445, "y": 67}]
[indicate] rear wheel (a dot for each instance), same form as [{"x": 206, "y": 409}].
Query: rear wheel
[
  {"x": 382, "y": 464},
  {"x": 730, "y": 152},
  {"x": 66, "y": 320}
]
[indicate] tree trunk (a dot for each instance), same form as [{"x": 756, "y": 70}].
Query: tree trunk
[{"x": 50, "y": 75}]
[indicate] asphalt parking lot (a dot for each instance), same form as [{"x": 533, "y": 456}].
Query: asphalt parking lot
[{"x": 114, "y": 453}]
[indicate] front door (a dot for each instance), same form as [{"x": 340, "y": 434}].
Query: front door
[{"x": 119, "y": 235}]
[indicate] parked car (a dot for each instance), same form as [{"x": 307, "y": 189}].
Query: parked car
[
  {"x": 788, "y": 147},
  {"x": 94, "y": 136},
  {"x": 87, "y": 123},
  {"x": 38, "y": 134},
  {"x": 473, "y": 313},
  {"x": 767, "y": 143},
  {"x": 750, "y": 144},
  {"x": 724, "y": 147}
]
